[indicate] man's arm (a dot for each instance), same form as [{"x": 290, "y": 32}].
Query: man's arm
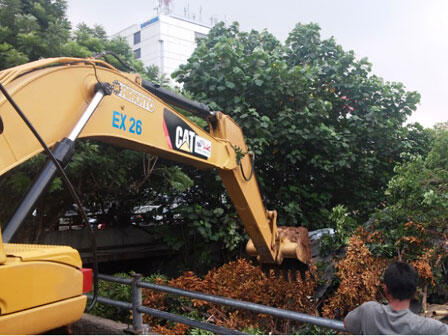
[
  {"x": 353, "y": 321},
  {"x": 434, "y": 327}
]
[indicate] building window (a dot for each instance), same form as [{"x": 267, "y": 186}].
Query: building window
[
  {"x": 138, "y": 53},
  {"x": 137, "y": 37}
]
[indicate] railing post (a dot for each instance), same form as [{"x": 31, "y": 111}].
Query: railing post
[{"x": 137, "y": 317}]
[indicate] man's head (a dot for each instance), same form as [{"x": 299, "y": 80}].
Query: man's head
[{"x": 401, "y": 280}]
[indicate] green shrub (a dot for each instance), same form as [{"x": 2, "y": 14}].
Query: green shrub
[
  {"x": 119, "y": 292},
  {"x": 114, "y": 291},
  {"x": 311, "y": 329},
  {"x": 344, "y": 225}
]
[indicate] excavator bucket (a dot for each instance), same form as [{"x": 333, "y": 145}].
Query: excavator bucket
[
  {"x": 295, "y": 243},
  {"x": 296, "y": 251},
  {"x": 293, "y": 253}
]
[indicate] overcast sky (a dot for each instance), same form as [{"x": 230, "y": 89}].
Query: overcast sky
[{"x": 406, "y": 40}]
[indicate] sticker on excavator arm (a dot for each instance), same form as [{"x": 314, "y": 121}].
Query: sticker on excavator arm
[
  {"x": 122, "y": 122},
  {"x": 125, "y": 92},
  {"x": 182, "y": 138}
]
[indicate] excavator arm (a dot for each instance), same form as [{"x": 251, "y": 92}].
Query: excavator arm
[{"x": 67, "y": 98}]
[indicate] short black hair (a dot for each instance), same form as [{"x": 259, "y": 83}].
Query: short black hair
[{"x": 401, "y": 280}]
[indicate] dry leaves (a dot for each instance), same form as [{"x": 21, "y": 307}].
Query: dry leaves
[{"x": 239, "y": 280}]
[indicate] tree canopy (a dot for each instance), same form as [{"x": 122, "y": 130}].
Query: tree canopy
[
  {"x": 30, "y": 30},
  {"x": 325, "y": 130}
]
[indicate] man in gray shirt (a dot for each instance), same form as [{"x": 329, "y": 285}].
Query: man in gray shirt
[{"x": 373, "y": 318}]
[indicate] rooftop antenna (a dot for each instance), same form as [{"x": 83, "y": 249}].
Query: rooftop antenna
[
  {"x": 200, "y": 13},
  {"x": 157, "y": 7},
  {"x": 166, "y": 6}
]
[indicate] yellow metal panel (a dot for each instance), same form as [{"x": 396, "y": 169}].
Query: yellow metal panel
[
  {"x": 245, "y": 195},
  {"x": 25, "y": 285},
  {"x": 54, "y": 99},
  {"x": 27, "y": 252},
  {"x": 128, "y": 105},
  {"x": 41, "y": 319},
  {"x": 2, "y": 250},
  {"x": 51, "y": 112}
]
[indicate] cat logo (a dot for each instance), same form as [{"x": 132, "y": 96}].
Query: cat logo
[
  {"x": 181, "y": 137},
  {"x": 184, "y": 139}
]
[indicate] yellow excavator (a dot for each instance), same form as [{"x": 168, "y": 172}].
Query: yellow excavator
[{"x": 52, "y": 102}]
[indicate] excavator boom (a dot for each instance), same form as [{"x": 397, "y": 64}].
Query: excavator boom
[{"x": 67, "y": 98}]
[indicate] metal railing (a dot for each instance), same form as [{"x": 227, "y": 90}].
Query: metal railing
[{"x": 138, "y": 309}]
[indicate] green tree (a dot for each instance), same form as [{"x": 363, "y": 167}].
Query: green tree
[
  {"x": 417, "y": 191},
  {"x": 153, "y": 74},
  {"x": 325, "y": 130},
  {"x": 32, "y": 29},
  {"x": 413, "y": 222}
]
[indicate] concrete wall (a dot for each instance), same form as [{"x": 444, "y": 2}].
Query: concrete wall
[
  {"x": 179, "y": 41},
  {"x": 113, "y": 243}
]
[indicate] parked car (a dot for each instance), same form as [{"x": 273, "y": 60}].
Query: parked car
[
  {"x": 142, "y": 216},
  {"x": 73, "y": 221}
]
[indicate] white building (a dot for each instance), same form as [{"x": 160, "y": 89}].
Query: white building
[{"x": 166, "y": 41}]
